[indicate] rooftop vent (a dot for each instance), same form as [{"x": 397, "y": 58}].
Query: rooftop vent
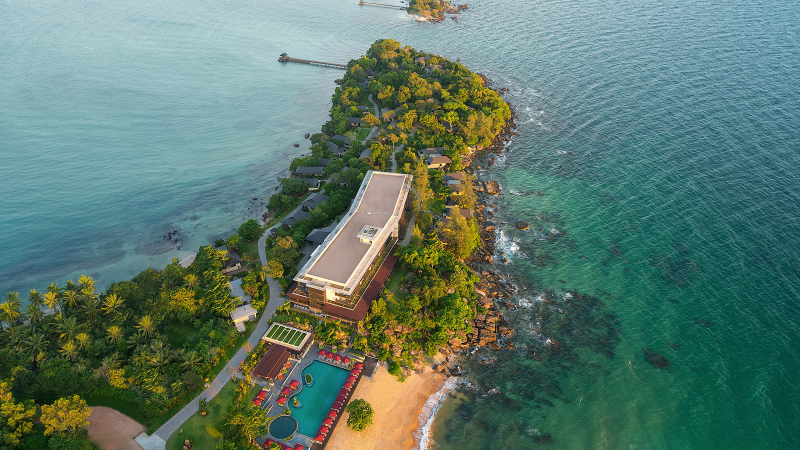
[{"x": 367, "y": 234}]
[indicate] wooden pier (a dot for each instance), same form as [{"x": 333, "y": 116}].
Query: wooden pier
[
  {"x": 382, "y": 5},
  {"x": 286, "y": 58}
]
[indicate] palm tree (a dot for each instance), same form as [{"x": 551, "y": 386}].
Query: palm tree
[
  {"x": 145, "y": 326},
  {"x": 111, "y": 303},
  {"x": 159, "y": 355},
  {"x": 36, "y": 346},
  {"x": 33, "y": 313},
  {"x": 136, "y": 340},
  {"x": 109, "y": 363},
  {"x": 71, "y": 298},
  {"x": 83, "y": 340},
  {"x": 69, "y": 328},
  {"x": 51, "y": 300},
  {"x": 86, "y": 282},
  {"x": 192, "y": 360},
  {"x": 69, "y": 350},
  {"x": 91, "y": 308},
  {"x": 115, "y": 333},
  {"x": 15, "y": 334},
  {"x": 191, "y": 281},
  {"x": 35, "y": 297},
  {"x": 9, "y": 310}
]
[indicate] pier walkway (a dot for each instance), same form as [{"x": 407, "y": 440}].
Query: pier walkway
[
  {"x": 286, "y": 58},
  {"x": 382, "y": 5}
]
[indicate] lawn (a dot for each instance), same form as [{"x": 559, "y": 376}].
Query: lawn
[
  {"x": 125, "y": 407},
  {"x": 250, "y": 250},
  {"x": 393, "y": 287},
  {"x": 201, "y": 430},
  {"x": 179, "y": 332}
]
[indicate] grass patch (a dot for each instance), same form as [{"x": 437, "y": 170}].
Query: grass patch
[
  {"x": 179, "y": 332},
  {"x": 201, "y": 430},
  {"x": 250, "y": 250},
  {"x": 396, "y": 296},
  {"x": 125, "y": 407}
]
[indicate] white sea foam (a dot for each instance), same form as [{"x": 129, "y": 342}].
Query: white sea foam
[{"x": 434, "y": 402}]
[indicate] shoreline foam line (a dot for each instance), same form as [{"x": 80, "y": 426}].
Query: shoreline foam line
[{"x": 429, "y": 409}]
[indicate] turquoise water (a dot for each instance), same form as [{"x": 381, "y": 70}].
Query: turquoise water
[
  {"x": 318, "y": 399},
  {"x": 671, "y": 211}
]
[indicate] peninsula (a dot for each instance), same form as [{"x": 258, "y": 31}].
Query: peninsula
[{"x": 367, "y": 267}]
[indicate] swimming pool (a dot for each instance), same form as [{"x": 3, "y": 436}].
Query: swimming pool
[
  {"x": 283, "y": 427},
  {"x": 318, "y": 399}
]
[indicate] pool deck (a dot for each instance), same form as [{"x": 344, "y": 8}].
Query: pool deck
[{"x": 296, "y": 373}]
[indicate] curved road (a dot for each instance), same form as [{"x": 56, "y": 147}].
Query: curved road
[{"x": 157, "y": 441}]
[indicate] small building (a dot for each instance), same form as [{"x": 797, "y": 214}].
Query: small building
[
  {"x": 313, "y": 183},
  {"x": 317, "y": 236},
  {"x": 312, "y": 201},
  {"x": 431, "y": 151},
  {"x": 457, "y": 187},
  {"x": 271, "y": 363},
  {"x": 237, "y": 291},
  {"x": 313, "y": 171},
  {"x": 354, "y": 121},
  {"x": 342, "y": 140},
  {"x": 365, "y": 154},
  {"x": 294, "y": 217},
  {"x": 336, "y": 149},
  {"x": 465, "y": 213},
  {"x": 242, "y": 314},
  {"x": 437, "y": 162},
  {"x": 454, "y": 176},
  {"x": 323, "y": 162},
  {"x": 449, "y": 127},
  {"x": 362, "y": 108}
]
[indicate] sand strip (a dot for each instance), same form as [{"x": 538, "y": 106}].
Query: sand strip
[{"x": 397, "y": 407}]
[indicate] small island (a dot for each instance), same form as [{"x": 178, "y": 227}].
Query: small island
[{"x": 434, "y": 10}]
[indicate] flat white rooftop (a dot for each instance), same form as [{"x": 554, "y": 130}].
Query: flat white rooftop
[{"x": 341, "y": 260}]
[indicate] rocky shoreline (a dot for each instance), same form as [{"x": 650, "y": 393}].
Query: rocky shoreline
[{"x": 490, "y": 328}]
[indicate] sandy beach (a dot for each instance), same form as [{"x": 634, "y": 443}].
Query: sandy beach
[{"x": 397, "y": 407}]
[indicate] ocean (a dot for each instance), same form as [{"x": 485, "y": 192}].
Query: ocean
[{"x": 656, "y": 163}]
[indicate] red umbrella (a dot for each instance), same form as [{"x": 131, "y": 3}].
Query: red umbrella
[
  {"x": 328, "y": 421},
  {"x": 294, "y": 384},
  {"x": 286, "y": 390},
  {"x": 257, "y": 401},
  {"x": 346, "y": 360},
  {"x": 319, "y": 438},
  {"x": 351, "y": 378},
  {"x": 262, "y": 395},
  {"x": 337, "y": 405},
  {"x": 298, "y": 447},
  {"x": 329, "y": 355},
  {"x": 332, "y": 413},
  {"x": 323, "y": 429},
  {"x": 348, "y": 385},
  {"x": 268, "y": 442},
  {"x": 321, "y": 353},
  {"x": 281, "y": 401},
  {"x": 358, "y": 365},
  {"x": 337, "y": 358},
  {"x": 355, "y": 372}
]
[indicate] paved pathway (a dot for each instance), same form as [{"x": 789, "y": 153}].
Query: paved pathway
[
  {"x": 377, "y": 111},
  {"x": 158, "y": 440}
]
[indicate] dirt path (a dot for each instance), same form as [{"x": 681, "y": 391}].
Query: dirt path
[{"x": 109, "y": 429}]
